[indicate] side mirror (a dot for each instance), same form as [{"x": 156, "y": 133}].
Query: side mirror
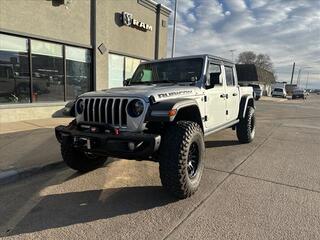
[{"x": 126, "y": 81}]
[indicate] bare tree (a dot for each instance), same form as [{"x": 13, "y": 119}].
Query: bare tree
[
  {"x": 264, "y": 61},
  {"x": 247, "y": 57},
  {"x": 260, "y": 60}
]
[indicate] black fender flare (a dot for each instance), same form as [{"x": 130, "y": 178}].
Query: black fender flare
[
  {"x": 245, "y": 101},
  {"x": 158, "y": 112},
  {"x": 69, "y": 109}
]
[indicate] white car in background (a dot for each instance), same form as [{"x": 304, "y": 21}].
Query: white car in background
[{"x": 279, "y": 92}]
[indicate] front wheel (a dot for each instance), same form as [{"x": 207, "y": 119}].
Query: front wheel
[
  {"x": 80, "y": 161},
  {"x": 246, "y": 128},
  {"x": 181, "y": 158}
]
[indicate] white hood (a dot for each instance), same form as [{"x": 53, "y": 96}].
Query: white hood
[{"x": 160, "y": 92}]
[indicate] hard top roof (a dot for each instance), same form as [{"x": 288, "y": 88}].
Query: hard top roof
[{"x": 193, "y": 56}]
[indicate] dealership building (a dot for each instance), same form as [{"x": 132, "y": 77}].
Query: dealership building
[{"x": 53, "y": 50}]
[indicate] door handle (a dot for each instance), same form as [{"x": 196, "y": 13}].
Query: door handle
[{"x": 235, "y": 94}]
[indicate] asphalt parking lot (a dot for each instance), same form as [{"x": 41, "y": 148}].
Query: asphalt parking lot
[{"x": 268, "y": 189}]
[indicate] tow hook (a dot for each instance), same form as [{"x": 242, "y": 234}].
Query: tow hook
[{"x": 116, "y": 131}]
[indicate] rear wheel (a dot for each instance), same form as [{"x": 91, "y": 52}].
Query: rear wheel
[
  {"x": 181, "y": 158},
  {"x": 80, "y": 161},
  {"x": 246, "y": 128}
]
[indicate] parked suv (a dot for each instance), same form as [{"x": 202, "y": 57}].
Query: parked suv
[
  {"x": 162, "y": 114},
  {"x": 257, "y": 91},
  {"x": 299, "y": 93},
  {"x": 279, "y": 92}
]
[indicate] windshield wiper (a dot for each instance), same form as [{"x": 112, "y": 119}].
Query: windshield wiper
[
  {"x": 165, "y": 81},
  {"x": 141, "y": 83}
]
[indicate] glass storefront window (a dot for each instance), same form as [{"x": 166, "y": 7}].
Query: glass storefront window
[
  {"x": 131, "y": 66},
  {"x": 47, "y": 65},
  {"x": 47, "y": 71},
  {"x": 78, "y": 61},
  {"x": 121, "y": 68},
  {"x": 116, "y": 70},
  {"x": 14, "y": 70}
]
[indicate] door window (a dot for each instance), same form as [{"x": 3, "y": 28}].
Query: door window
[
  {"x": 229, "y": 76},
  {"x": 214, "y": 68}
]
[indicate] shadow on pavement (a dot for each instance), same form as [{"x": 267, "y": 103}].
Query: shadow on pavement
[
  {"x": 30, "y": 149},
  {"x": 66, "y": 209},
  {"x": 221, "y": 143}
]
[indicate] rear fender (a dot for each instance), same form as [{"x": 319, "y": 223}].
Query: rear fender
[{"x": 244, "y": 103}]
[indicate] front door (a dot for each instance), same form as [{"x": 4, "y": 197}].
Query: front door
[
  {"x": 232, "y": 94},
  {"x": 216, "y": 101}
]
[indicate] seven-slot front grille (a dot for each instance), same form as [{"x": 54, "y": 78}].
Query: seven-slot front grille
[{"x": 106, "y": 110}]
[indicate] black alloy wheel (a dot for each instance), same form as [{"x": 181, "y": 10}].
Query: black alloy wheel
[{"x": 193, "y": 160}]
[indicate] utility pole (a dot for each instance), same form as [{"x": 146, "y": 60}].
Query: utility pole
[
  {"x": 294, "y": 64},
  {"x": 174, "y": 29},
  {"x": 232, "y": 51},
  {"x": 298, "y": 78},
  {"x": 307, "y": 81}
]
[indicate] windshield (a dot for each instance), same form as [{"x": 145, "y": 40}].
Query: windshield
[
  {"x": 174, "y": 71},
  {"x": 278, "y": 90},
  {"x": 256, "y": 87}
]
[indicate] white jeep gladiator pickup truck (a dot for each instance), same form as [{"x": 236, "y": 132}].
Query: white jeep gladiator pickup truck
[{"x": 162, "y": 114}]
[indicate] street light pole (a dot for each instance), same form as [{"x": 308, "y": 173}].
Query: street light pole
[{"x": 174, "y": 29}]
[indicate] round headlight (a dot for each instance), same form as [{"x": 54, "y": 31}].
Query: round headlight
[
  {"x": 135, "y": 108},
  {"x": 80, "y": 106}
]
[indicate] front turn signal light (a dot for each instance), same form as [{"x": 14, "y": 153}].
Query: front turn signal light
[{"x": 172, "y": 112}]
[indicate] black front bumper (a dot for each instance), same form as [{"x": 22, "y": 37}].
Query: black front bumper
[
  {"x": 110, "y": 144},
  {"x": 298, "y": 96}
]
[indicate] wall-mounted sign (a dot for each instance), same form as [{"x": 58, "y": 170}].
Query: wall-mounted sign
[{"x": 128, "y": 20}]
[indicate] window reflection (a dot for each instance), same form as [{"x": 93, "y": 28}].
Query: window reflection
[
  {"x": 47, "y": 72},
  {"x": 14, "y": 70},
  {"x": 131, "y": 66},
  {"x": 49, "y": 83},
  {"x": 121, "y": 68},
  {"x": 78, "y": 71},
  {"x": 116, "y": 70}
]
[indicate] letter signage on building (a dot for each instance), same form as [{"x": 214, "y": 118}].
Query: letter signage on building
[{"x": 128, "y": 20}]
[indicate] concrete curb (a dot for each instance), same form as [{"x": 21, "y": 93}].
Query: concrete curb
[{"x": 12, "y": 175}]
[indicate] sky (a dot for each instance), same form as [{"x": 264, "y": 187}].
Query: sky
[{"x": 287, "y": 30}]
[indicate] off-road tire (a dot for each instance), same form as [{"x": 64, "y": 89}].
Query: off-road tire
[
  {"x": 79, "y": 160},
  {"x": 247, "y": 126},
  {"x": 174, "y": 156}
]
